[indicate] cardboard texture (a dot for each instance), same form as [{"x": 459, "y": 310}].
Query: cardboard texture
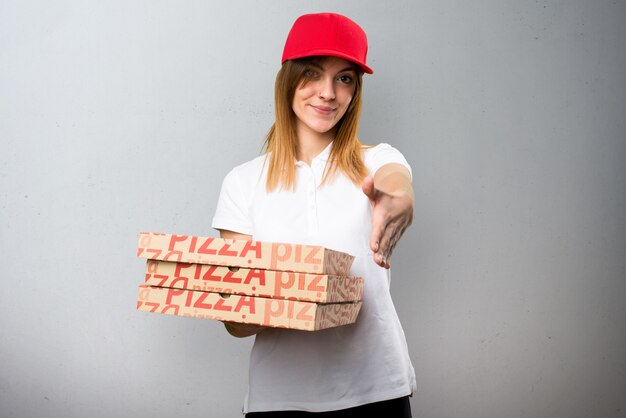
[
  {"x": 243, "y": 253},
  {"x": 272, "y": 284},
  {"x": 307, "y": 316},
  {"x": 320, "y": 288}
]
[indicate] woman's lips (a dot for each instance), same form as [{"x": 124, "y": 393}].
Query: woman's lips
[{"x": 324, "y": 110}]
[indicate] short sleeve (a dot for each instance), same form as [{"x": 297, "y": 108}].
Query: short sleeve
[
  {"x": 382, "y": 154},
  {"x": 233, "y": 210}
]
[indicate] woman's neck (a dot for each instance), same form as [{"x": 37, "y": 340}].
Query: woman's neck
[{"x": 311, "y": 144}]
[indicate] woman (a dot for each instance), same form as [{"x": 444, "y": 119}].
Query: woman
[{"x": 317, "y": 184}]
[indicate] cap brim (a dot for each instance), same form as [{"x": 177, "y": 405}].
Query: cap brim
[{"x": 332, "y": 53}]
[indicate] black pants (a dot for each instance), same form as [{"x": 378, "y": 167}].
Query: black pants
[{"x": 393, "y": 408}]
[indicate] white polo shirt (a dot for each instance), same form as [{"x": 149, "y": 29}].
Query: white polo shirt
[{"x": 339, "y": 367}]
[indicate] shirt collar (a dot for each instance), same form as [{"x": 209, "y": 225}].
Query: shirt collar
[{"x": 322, "y": 156}]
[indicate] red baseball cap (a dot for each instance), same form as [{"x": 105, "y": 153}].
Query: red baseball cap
[{"x": 327, "y": 34}]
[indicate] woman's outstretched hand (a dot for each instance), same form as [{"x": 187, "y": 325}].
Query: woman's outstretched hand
[{"x": 391, "y": 196}]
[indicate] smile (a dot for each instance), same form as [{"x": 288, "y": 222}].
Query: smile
[{"x": 324, "y": 110}]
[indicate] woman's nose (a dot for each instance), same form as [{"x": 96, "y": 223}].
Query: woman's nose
[{"x": 327, "y": 89}]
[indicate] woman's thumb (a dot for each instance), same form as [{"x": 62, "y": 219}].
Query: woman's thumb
[{"x": 368, "y": 187}]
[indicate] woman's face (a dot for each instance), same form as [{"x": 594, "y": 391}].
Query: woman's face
[{"x": 323, "y": 97}]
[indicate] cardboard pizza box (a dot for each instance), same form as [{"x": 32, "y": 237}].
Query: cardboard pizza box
[
  {"x": 244, "y": 253},
  {"x": 320, "y": 288},
  {"x": 280, "y": 313}
]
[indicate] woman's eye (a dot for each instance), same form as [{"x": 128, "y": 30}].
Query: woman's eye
[
  {"x": 346, "y": 79},
  {"x": 310, "y": 73}
]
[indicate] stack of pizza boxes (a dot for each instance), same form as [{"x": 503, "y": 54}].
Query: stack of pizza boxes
[{"x": 263, "y": 283}]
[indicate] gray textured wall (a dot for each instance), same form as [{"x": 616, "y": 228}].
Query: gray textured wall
[{"x": 123, "y": 116}]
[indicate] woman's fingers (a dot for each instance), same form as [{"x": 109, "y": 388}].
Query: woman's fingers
[
  {"x": 391, "y": 215},
  {"x": 388, "y": 226}
]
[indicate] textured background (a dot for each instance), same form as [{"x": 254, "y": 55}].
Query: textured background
[{"x": 123, "y": 116}]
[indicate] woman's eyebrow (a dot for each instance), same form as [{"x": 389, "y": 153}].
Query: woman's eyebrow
[{"x": 316, "y": 65}]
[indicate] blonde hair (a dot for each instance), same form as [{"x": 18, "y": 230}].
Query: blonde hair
[{"x": 281, "y": 142}]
